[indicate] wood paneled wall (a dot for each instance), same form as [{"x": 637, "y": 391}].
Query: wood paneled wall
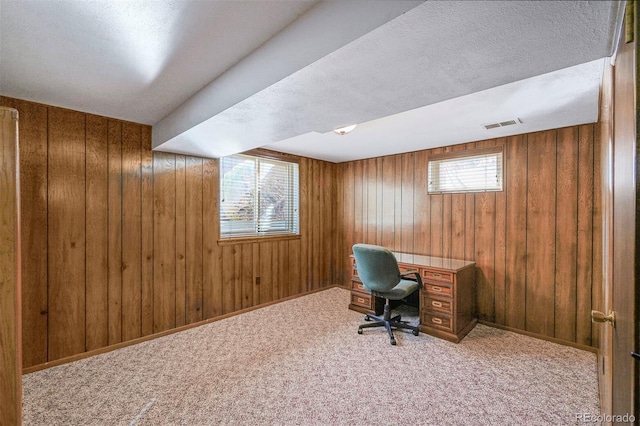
[
  {"x": 535, "y": 244},
  {"x": 10, "y": 276},
  {"x": 120, "y": 242}
]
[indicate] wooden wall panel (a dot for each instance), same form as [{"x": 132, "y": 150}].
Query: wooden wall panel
[
  {"x": 114, "y": 205},
  {"x": 566, "y": 234},
  {"x": 10, "y": 265},
  {"x": 541, "y": 225},
  {"x": 194, "y": 240},
  {"x": 66, "y": 233},
  {"x": 181, "y": 244},
  {"x": 211, "y": 252},
  {"x": 32, "y": 129},
  {"x": 131, "y": 232},
  {"x": 121, "y": 242},
  {"x": 97, "y": 248},
  {"x": 145, "y": 210},
  {"x": 532, "y": 242},
  {"x": 515, "y": 184},
  {"x": 585, "y": 244},
  {"x": 164, "y": 241},
  {"x": 146, "y": 229}
]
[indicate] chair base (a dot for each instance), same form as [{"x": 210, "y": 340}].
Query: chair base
[{"x": 388, "y": 322}]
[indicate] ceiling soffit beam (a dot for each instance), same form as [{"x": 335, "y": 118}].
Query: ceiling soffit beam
[{"x": 326, "y": 27}]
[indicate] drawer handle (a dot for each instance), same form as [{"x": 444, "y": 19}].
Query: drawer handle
[
  {"x": 360, "y": 299},
  {"x": 361, "y": 287},
  {"x": 437, "y": 275},
  {"x": 436, "y": 304},
  {"x": 436, "y": 320},
  {"x": 436, "y": 288}
]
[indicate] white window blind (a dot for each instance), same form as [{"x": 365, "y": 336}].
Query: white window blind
[
  {"x": 258, "y": 196},
  {"x": 467, "y": 171}
]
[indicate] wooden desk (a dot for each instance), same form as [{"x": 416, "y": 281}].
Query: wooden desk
[{"x": 447, "y": 298}]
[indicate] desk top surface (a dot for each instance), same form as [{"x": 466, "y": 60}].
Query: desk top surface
[{"x": 432, "y": 262}]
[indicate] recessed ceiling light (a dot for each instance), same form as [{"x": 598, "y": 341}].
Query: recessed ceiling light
[{"x": 345, "y": 129}]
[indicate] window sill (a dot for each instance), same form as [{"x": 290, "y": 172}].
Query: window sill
[{"x": 262, "y": 239}]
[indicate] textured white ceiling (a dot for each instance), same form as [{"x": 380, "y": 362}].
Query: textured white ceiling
[
  {"x": 558, "y": 99},
  {"x": 283, "y": 73},
  {"x": 434, "y": 52},
  {"x": 131, "y": 59}
]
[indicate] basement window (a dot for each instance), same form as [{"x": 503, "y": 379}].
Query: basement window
[
  {"x": 476, "y": 170},
  {"x": 258, "y": 197}
]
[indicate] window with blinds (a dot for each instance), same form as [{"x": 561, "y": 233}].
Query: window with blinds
[
  {"x": 475, "y": 170},
  {"x": 258, "y": 197}
]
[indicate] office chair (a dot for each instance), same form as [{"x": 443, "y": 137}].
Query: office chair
[{"x": 378, "y": 269}]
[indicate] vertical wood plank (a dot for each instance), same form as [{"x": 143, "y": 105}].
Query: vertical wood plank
[
  {"x": 146, "y": 229},
  {"x": 349, "y": 217},
  {"x": 228, "y": 279},
  {"x": 283, "y": 281},
  {"x": 371, "y": 206},
  {"x": 33, "y": 133},
  {"x": 397, "y": 204},
  {"x": 66, "y": 213},
  {"x": 516, "y": 150},
  {"x": 421, "y": 206},
  {"x": 566, "y": 234},
  {"x": 97, "y": 324},
  {"x": 585, "y": 234},
  {"x": 181, "y": 244},
  {"x": 485, "y": 230},
  {"x": 266, "y": 252},
  {"x": 447, "y": 221},
  {"x": 247, "y": 276},
  {"x": 598, "y": 246},
  {"x": 237, "y": 277},
  {"x": 131, "y": 232},
  {"x": 437, "y": 220},
  {"x": 358, "y": 236},
  {"x": 212, "y": 252},
  {"x": 164, "y": 236},
  {"x": 388, "y": 201},
  {"x": 115, "y": 231},
  {"x": 256, "y": 274},
  {"x": 194, "y": 239},
  {"x": 541, "y": 220},
  {"x": 458, "y": 214},
  {"x": 407, "y": 202},
  {"x": 379, "y": 200},
  {"x": 470, "y": 220},
  {"x": 500, "y": 250},
  {"x": 305, "y": 237},
  {"x": 10, "y": 264}
]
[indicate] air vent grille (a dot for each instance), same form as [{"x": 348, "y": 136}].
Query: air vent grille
[{"x": 502, "y": 124}]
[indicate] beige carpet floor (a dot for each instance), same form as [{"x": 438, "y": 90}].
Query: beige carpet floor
[{"x": 301, "y": 362}]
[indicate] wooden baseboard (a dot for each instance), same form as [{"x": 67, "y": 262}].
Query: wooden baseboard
[
  {"x": 110, "y": 348},
  {"x": 541, "y": 337}
]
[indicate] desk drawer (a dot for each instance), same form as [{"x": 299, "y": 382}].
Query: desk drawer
[
  {"x": 441, "y": 322},
  {"x": 362, "y": 300},
  {"x": 438, "y": 289},
  {"x": 356, "y": 285},
  {"x": 437, "y": 276},
  {"x": 437, "y": 305}
]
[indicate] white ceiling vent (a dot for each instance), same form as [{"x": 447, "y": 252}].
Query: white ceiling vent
[{"x": 502, "y": 124}]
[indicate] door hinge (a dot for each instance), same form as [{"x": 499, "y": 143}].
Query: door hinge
[{"x": 597, "y": 316}]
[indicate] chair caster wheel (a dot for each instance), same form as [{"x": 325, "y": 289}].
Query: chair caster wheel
[
  {"x": 359, "y": 331},
  {"x": 393, "y": 342},
  {"x": 366, "y": 318},
  {"x": 415, "y": 332}
]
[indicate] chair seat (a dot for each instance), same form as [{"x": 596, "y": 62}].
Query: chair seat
[{"x": 401, "y": 291}]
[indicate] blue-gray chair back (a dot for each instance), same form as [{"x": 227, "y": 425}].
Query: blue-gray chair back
[{"x": 377, "y": 267}]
